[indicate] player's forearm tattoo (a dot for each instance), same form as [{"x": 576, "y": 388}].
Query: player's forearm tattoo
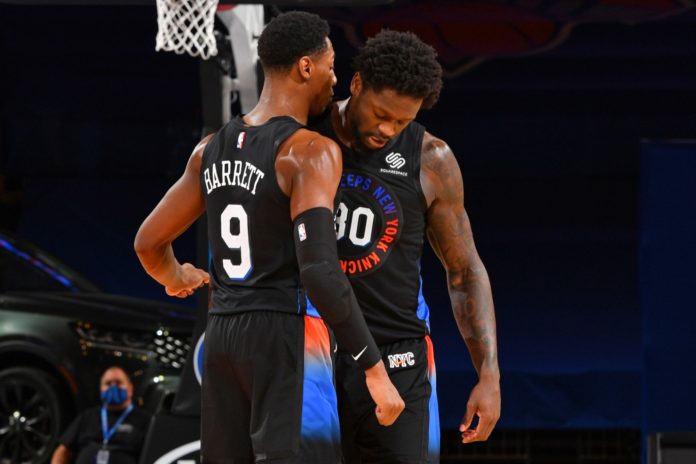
[{"x": 449, "y": 232}]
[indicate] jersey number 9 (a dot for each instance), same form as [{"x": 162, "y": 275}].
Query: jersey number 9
[{"x": 239, "y": 241}]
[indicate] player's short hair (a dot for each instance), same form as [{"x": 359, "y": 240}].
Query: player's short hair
[
  {"x": 402, "y": 62},
  {"x": 289, "y": 37}
]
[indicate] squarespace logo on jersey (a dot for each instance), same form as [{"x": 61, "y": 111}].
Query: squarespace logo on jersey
[
  {"x": 368, "y": 223},
  {"x": 395, "y": 161}
]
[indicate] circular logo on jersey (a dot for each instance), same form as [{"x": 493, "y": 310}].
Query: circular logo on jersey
[
  {"x": 198, "y": 358},
  {"x": 368, "y": 223}
]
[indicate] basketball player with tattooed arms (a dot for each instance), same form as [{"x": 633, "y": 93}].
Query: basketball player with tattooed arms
[
  {"x": 268, "y": 186},
  {"x": 400, "y": 183}
]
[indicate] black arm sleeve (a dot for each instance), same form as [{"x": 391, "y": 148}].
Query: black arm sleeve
[{"x": 328, "y": 288}]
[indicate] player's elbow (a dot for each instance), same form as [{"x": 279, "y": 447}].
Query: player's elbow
[
  {"x": 141, "y": 245},
  {"x": 456, "y": 278},
  {"x": 473, "y": 273},
  {"x": 145, "y": 246}
]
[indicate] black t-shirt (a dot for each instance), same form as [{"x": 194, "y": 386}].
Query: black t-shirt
[{"x": 84, "y": 436}]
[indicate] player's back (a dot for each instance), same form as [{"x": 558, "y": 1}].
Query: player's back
[{"x": 253, "y": 265}]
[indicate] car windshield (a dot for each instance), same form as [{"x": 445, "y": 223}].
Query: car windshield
[{"x": 23, "y": 269}]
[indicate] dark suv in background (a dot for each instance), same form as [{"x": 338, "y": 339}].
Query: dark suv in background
[{"x": 58, "y": 333}]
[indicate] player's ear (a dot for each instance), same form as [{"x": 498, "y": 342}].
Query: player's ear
[
  {"x": 356, "y": 85},
  {"x": 305, "y": 66}
]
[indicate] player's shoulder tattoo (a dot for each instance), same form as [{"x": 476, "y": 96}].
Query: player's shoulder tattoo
[{"x": 439, "y": 163}]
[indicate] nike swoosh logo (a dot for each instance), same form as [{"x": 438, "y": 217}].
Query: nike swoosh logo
[{"x": 359, "y": 354}]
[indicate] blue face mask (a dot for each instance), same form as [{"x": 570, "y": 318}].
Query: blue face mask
[{"x": 114, "y": 395}]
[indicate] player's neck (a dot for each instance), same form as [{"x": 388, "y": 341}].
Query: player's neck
[
  {"x": 341, "y": 123},
  {"x": 279, "y": 99}
]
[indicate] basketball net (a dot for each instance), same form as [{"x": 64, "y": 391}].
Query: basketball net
[{"x": 186, "y": 26}]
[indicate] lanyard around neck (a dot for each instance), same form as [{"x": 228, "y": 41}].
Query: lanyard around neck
[{"x": 107, "y": 432}]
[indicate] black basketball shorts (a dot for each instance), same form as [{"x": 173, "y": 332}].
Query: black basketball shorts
[
  {"x": 415, "y": 436},
  {"x": 267, "y": 390}
]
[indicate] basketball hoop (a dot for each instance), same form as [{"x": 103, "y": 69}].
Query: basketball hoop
[{"x": 186, "y": 26}]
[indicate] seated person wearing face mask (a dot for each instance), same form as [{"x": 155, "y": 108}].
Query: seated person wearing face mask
[{"x": 112, "y": 433}]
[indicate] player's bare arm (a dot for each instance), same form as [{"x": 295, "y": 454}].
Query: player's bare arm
[
  {"x": 178, "y": 209},
  {"x": 309, "y": 170},
  {"x": 450, "y": 235}
]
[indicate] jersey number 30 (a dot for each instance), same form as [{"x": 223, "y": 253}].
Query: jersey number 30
[
  {"x": 359, "y": 224},
  {"x": 239, "y": 241}
]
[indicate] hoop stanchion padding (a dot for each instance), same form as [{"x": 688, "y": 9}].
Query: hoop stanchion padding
[{"x": 186, "y": 26}]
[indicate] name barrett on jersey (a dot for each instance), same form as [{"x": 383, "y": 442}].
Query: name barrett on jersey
[{"x": 242, "y": 174}]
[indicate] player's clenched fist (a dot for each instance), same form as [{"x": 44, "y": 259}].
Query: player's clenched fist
[{"x": 384, "y": 394}]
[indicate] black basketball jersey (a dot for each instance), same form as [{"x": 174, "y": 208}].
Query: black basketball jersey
[
  {"x": 253, "y": 265},
  {"x": 380, "y": 225}
]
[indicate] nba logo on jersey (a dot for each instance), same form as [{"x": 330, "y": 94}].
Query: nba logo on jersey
[
  {"x": 240, "y": 140},
  {"x": 302, "y": 232}
]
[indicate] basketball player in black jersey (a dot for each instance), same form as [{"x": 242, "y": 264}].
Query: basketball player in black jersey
[
  {"x": 268, "y": 186},
  {"x": 400, "y": 183}
]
